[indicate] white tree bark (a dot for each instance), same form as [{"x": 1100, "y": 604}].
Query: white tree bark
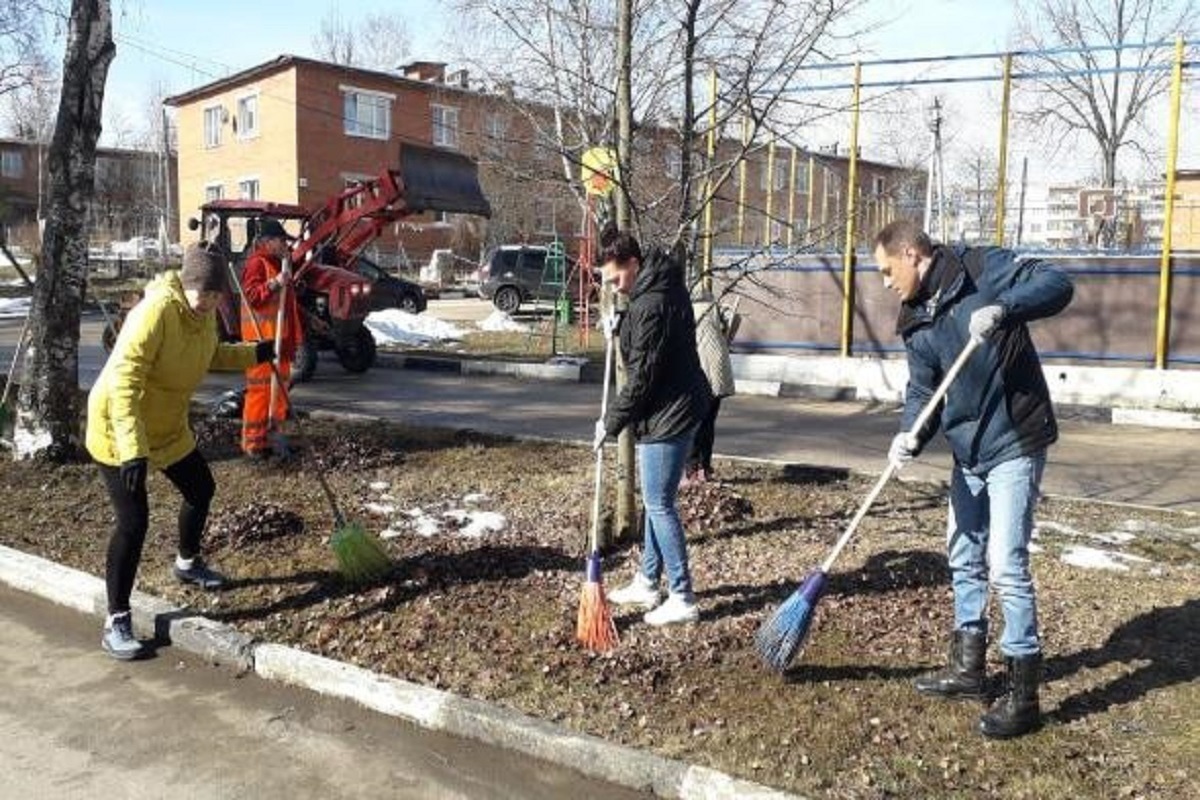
[{"x": 47, "y": 420}]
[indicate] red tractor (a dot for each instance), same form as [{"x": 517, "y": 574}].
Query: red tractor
[{"x": 335, "y": 300}]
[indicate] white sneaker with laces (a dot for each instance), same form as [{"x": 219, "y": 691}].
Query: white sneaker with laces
[
  {"x": 638, "y": 592},
  {"x": 677, "y": 608}
]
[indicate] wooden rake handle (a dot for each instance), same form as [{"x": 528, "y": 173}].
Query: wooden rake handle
[
  {"x": 338, "y": 520},
  {"x": 922, "y": 418}
]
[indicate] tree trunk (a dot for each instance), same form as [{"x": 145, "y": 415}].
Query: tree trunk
[{"x": 47, "y": 420}]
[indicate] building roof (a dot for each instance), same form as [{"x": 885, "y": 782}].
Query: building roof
[{"x": 286, "y": 61}]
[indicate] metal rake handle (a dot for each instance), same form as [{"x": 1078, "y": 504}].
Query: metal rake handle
[{"x": 922, "y": 418}]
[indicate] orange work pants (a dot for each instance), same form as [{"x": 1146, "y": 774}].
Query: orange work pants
[{"x": 257, "y": 419}]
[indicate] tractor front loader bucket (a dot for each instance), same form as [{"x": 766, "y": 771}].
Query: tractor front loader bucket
[{"x": 439, "y": 180}]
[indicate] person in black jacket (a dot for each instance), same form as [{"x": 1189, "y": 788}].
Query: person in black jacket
[
  {"x": 998, "y": 420},
  {"x": 663, "y": 400}
]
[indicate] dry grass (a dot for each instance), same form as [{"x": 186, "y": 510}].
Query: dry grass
[{"x": 493, "y": 616}]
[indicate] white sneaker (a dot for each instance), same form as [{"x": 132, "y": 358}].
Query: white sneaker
[
  {"x": 638, "y": 592},
  {"x": 677, "y": 608}
]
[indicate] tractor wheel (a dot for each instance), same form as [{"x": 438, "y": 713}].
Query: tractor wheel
[
  {"x": 357, "y": 354},
  {"x": 305, "y": 363},
  {"x": 507, "y": 299}
]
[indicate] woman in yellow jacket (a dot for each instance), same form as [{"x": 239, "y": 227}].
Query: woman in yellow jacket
[{"x": 138, "y": 418}]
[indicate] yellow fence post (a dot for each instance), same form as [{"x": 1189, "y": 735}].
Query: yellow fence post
[
  {"x": 768, "y": 225},
  {"x": 792, "y": 198},
  {"x": 808, "y": 219},
  {"x": 1162, "y": 339},
  {"x": 742, "y": 172},
  {"x": 851, "y": 196},
  {"x": 710, "y": 188},
  {"x": 1002, "y": 170}
]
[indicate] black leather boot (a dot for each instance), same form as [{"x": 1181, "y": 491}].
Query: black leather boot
[
  {"x": 964, "y": 676},
  {"x": 1016, "y": 712}
]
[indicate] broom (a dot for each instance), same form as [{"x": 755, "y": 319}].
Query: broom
[
  {"x": 360, "y": 556},
  {"x": 5, "y": 411},
  {"x": 780, "y": 636},
  {"x": 594, "y": 628}
]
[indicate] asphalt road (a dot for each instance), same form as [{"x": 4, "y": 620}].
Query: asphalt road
[
  {"x": 76, "y": 724},
  {"x": 1096, "y": 460}
]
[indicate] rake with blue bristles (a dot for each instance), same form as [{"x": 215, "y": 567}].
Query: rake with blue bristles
[{"x": 780, "y": 637}]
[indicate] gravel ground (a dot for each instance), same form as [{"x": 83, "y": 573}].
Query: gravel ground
[{"x": 487, "y": 535}]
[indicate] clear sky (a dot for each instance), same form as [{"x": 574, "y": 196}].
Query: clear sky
[{"x": 180, "y": 45}]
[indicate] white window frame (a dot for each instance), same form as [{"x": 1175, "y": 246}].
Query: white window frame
[
  {"x": 352, "y": 127},
  {"x": 12, "y": 163},
  {"x": 246, "y": 181},
  {"x": 212, "y": 135},
  {"x": 673, "y": 161},
  {"x": 544, "y": 223},
  {"x": 214, "y": 191},
  {"x": 878, "y": 185},
  {"x": 445, "y": 125},
  {"x": 251, "y": 132}
]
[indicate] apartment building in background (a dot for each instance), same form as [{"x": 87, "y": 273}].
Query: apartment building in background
[
  {"x": 298, "y": 130},
  {"x": 134, "y": 193}
]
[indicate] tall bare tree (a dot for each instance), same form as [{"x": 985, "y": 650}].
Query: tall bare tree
[
  {"x": 377, "y": 41},
  {"x": 47, "y": 422},
  {"x": 1094, "y": 36},
  {"x": 566, "y": 62},
  {"x": 21, "y": 47}
]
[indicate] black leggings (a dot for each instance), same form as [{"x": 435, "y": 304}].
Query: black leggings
[{"x": 194, "y": 481}]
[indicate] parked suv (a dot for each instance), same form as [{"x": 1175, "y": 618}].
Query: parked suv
[{"x": 516, "y": 274}]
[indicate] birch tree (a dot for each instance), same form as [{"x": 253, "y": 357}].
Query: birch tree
[
  {"x": 1107, "y": 106},
  {"x": 47, "y": 421}
]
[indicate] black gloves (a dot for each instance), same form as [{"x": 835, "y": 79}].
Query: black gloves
[
  {"x": 264, "y": 351},
  {"x": 133, "y": 475}
]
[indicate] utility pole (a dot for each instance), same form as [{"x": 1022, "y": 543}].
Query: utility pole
[
  {"x": 624, "y": 518},
  {"x": 936, "y": 179},
  {"x": 1021, "y": 202}
]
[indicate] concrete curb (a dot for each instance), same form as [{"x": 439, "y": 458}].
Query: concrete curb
[{"x": 432, "y": 709}]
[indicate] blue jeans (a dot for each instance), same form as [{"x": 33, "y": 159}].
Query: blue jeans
[
  {"x": 991, "y": 520},
  {"x": 661, "y": 466}
]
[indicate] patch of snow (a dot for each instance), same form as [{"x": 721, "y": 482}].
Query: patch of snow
[
  {"x": 390, "y": 533},
  {"x": 1049, "y": 526},
  {"x": 482, "y": 522},
  {"x": 427, "y": 526},
  {"x": 380, "y": 486},
  {"x": 1114, "y": 537},
  {"x": 500, "y": 321},
  {"x": 393, "y": 326},
  {"x": 1092, "y": 558},
  {"x": 380, "y": 509},
  {"x": 475, "y": 498},
  {"x": 14, "y": 306},
  {"x": 1035, "y": 548}
]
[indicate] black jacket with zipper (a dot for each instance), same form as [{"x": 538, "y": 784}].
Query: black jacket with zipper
[{"x": 665, "y": 393}]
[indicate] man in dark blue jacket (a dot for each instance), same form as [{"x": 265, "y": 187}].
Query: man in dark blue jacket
[{"x": 998, "y": 420}]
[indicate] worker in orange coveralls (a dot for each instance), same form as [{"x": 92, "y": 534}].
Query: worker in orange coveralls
[{"x": 263, "y": 282}]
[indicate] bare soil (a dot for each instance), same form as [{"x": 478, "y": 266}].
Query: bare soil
[{"x": 491, "y": 613}]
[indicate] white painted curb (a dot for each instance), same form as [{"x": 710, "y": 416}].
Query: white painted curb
[{"x": 430, "y": 708}]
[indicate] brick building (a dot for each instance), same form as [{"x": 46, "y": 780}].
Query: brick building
[
  {"x": 134, "y": 194},
  {"x": 297, "y": 130}
]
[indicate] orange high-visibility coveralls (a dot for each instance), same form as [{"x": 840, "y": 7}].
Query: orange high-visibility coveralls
[{"x": 260, "y": 268}]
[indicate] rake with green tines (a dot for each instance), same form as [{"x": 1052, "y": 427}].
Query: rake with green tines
[{"x": 361, "y": 557}]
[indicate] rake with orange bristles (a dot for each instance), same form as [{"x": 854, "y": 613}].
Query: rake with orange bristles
[{"x": 595, "y": 629}]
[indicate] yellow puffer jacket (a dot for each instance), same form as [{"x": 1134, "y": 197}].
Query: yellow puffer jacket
[{"x": 139, "y": 404}]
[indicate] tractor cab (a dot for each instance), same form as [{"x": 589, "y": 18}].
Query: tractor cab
[{"x": 334, "y": 302}]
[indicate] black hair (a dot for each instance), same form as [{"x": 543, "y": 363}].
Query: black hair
[
  {"x": 903, "y": 233},
  {"x": 618, "y": 245}
]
